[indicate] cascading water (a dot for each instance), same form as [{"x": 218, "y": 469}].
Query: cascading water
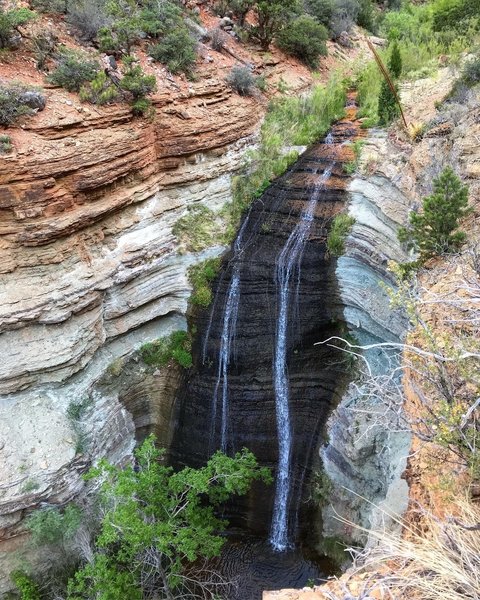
[
  {"x": 288, "y": 263},
  {"x": 258, "y": 381},
  {"x": 230, "y": 316}
]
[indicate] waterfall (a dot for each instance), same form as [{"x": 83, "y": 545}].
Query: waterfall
[
  {"x": 229, "y": 325},
  {"x": 287, "y": 264}
]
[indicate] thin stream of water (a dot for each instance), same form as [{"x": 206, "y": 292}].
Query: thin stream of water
[{"x": 288, "y": 264}]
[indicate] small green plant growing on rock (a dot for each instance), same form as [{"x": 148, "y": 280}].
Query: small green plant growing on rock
[
  {"x": 10, "y": 21},
  {"x": 341, "y": 226},
  {"x": 101, "y": 90},
  {"x": 241, "y": 80},
  {"x": 177, "y": 347},
  {"x": 51, "y": 526},
  {"x": 138, "y": 85},
  {"x": 73, "y": 70},
  {"x": 177, "y": 49},
  {"x": 5, "y": 144},
  {"x": 25, "y": 585},
  {"x": 436, "y": 229},
  {"x": 201, "y": 277}
]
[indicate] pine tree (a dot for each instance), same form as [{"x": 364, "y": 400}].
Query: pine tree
[
  {"x": 395, "y": 62},
  {"x": 387, "y": 104},
  {"x": 388, "y": 108},
  {"x": 435, "y": 229}
]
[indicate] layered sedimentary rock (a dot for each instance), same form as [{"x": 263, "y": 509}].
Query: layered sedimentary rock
[{"x": 90, "y": 270}]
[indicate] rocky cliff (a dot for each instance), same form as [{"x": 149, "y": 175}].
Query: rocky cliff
[
  {"x": 396, "y": 175},
  {"x": 91, "y": 270}
]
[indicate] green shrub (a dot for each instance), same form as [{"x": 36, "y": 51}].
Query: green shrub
[
  {"x": 50, "y": 6},
  {"x": 177, "y": 346},
  {"x": 201, "y": 277},
  {"x": 5, "y": 144},
  {"x": 177, "y": 49},
  {"x": 26, "y": 586},
  {"x": 341, "y": 226},
  {"x": 241, "y": 80},
  {"x": 73, "y": 70},
  {"x": 272, "y": 16},
  {"x": 304, "y": 38},
  {"x": 13, "y": 103},
  {"x": 50, "y": 526},
  {"x": 322, "y": 10},
  {"x": 471, "y": 71},
  {"x": 88, "y": 17},
  {"x": 100, "y": 90},
  {"x": 395, "y": 62},
  {"x": 10, "y": 20},
  {"x": 160, "y": 18},
  {"x": 452, "y": 14},
  {"x": 388, "y": 109},
  {"x": 435, "y": 229},
  {"x": 367, "y": 15},
  {"x": 136, "y": 82}
]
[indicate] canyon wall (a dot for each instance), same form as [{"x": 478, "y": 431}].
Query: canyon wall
[{"x": 91, "y": 270}]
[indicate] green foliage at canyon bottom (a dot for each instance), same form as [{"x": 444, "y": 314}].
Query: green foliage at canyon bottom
[{"x": 157, "y": 522}]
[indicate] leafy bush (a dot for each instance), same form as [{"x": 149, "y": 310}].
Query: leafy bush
[
  {"x": 13, "y": 102},
  {"x": 435, "y": 230},
  {"x": 471, "y": 71},
  {"x": 367, "y": 15},
  {"x": 177, "y": 49},
  {"x": 44, "y": 46},
  {"x": 322, "y": 10},
  {"x": 164, "y": 519},
  {"x": 197, "y": 229},
  {"x": 5, "y": 144},
  {"x": 177, "y": 346},
  {"x": 88, "y": 17},
  {"x": 345, "y": 14},
  {"x": 452, "y": 14},
  {"x": 10, "y": 20},
  {"x": 100, "y": 90},
  {"x": 272, "y": 16},
  {"x": 138, "y": 85},
  {"x": 201, "y": 277},
  {"x": 73, "y": 70},
  {"x": 50, "y": 526},
  {"x": 217, "y": 39},
  {"x": 26, "y": 586},
  {"x": 241, "y": 80},
  {"x": 50, "y": 6},
  {"x": 159, "y": 18},
  {"x": 304, "y": 38},
  {"x": 341, "y": 226}
]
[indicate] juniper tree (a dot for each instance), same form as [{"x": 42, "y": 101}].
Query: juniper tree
[
  {"x": 395, "y": 62},
  {"x": 158, "y": 523},
  {"x": 435, "y": 229}
]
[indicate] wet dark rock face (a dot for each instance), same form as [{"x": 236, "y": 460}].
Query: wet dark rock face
[{"x": 315, "y": 373}]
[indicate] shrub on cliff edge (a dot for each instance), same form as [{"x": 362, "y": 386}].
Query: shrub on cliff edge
[{"x": 435, "y": 229}]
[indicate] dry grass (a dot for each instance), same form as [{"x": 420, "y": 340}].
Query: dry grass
[{"x": 442, "y": 564}]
